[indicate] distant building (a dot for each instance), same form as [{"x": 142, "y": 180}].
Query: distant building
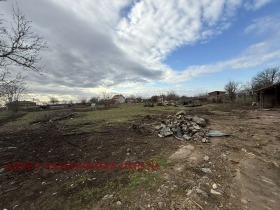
[
  {"x": 269, "y": 96},
  {"x": 216, "y": 94},
  {"x": 118, "y": 99}
]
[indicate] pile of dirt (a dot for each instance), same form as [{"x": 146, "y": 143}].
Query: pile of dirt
[{"x": 183, "y": 127}]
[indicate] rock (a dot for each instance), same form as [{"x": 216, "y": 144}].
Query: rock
[
  {"x": 204, "y": 140},
  {"x": 189, "y": 192},
  {"x": 166, "y": 132},
  {"x": 199, "y": 121},
  {"x": 161, "y": 136},
  {"x": 215, "y": 192},
  {"x": 206, "y": 170},
  {"x": 128, "y": 153},
  {"x": 157, "y": 128},
  {"x": 199, "y": 191},
  {"x": 162, "y": 125},
  {"x": 196, "y": 127},
  {"x": 206, "y": 158},
  {"x": 119, "y": 203},
  {"x": 182, "y": 112},
  {"x": 128, "y": 150},
  {"x": 179, "y": 132},
  {"x": 187, "y": 137},
  {"x": 214, "y": 186}
]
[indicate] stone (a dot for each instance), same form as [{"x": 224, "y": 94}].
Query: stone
[
  {"x": 179, "y": 132},
  {"x": 199, "y": 121},
  {"x": 215, "y": 192},
  {"x": 206, "y": 158},
  {"x": 182, "y": 112},
  {"x": 206, "y": 170},
  {"x": 214, "y": 186},
  {"x": 187, "y": 137},
  {"x": 204, "y": 140},
  {"x": 119, "y": 203},
  {"x": 166, "y": 132},
  {"x": 161, "y": 136},
  {"x": 128, "y": 150},
  {"x": 199, "y": 191},
  {"x": 196, "y": 127},
  {"x": 189, "y": 192},
  {"x": 157, "y": 128}
]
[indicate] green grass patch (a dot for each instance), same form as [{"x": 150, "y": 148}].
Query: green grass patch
[{"x": 148, "y": 181}]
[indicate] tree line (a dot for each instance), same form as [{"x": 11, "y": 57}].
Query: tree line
[{"x": 263, "y": 79}]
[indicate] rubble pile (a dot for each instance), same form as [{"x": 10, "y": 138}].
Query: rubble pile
[{"x": 183, "y": 127}]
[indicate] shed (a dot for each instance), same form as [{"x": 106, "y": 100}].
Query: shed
[
  {"x": 216, "y": 94},
  {"x": 269, "y": 96}
]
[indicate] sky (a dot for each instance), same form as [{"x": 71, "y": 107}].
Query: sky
[{"x": 148, "y": 47}]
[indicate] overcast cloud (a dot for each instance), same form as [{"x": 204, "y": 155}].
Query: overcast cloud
[{"x": 106, "y": 44}]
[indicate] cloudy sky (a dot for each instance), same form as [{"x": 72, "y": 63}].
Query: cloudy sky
[{"x": 146, "y": 47}]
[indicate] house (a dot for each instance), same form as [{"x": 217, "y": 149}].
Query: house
[
  {"x": 216, "y": 94},
  {"x": 118, "y": 99},
  {"x": 269, "y": 96},
  {"x": 20, "y": 105}
]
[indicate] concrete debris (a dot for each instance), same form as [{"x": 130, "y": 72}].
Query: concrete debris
[
  {"x": 206, "y": 170},
  {"x": 183, "y": 127},
  {"x": 214, "y": 186},
  {"x": 201, "y": 192},
  {"x": 215, "y": 133},
  {"x": 215, "y": 192},
  {"x": 182, "y": 112},
  {"x": 206, "y": 158},
  {"x": 199, "y": 121}
]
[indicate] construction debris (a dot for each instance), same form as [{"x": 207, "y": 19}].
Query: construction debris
[
  {"x": 183, "y": 127},
  {"x": 215, "y": 133}
]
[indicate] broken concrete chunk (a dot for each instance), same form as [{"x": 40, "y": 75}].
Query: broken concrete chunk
[
  {"x": 206, "y": 158},
  {"x": 216, "y": 133},
  {"x": 166, "y": 132},
  {"x": 158, "y": 127},
  {"x": 182, "y": 112},
  {"x": 199, "y": 121},
  {"x": 206, "y": 170},
  {"x": 199, "y": 191},
  {"x": 187, "y": 137},
  {"x": 215, "y": 192},
  {"x": 205, "y": 140}
]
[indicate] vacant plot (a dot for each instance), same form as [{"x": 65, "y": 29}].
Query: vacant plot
[{"x": 242, "y": 169}]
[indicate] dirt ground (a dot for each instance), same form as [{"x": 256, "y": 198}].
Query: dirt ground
[{"x": 244, "y": 166}]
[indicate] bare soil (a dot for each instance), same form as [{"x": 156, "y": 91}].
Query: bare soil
[{"x": 245, "y": 165}]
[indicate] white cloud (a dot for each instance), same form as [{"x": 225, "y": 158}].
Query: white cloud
[
  {"x": 256, "y": 4},
  {"x": 118, "y": 44}
]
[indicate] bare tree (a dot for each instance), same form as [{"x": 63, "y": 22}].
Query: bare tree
[
  {"x": 266, "y": 77},
  {"x": 231, "y": 88},
  {"x": 105, "y": 95},
  {"x": 53, "y": 100},
  {"x": 248, "y": 89},
  {"x": 83, "y": 101},
  {"x": 20, "y": 47},
  {"x": 93, "y": 100},
  {"x": 171, "y": 95},
  {"x": 14, "y": 91}
]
